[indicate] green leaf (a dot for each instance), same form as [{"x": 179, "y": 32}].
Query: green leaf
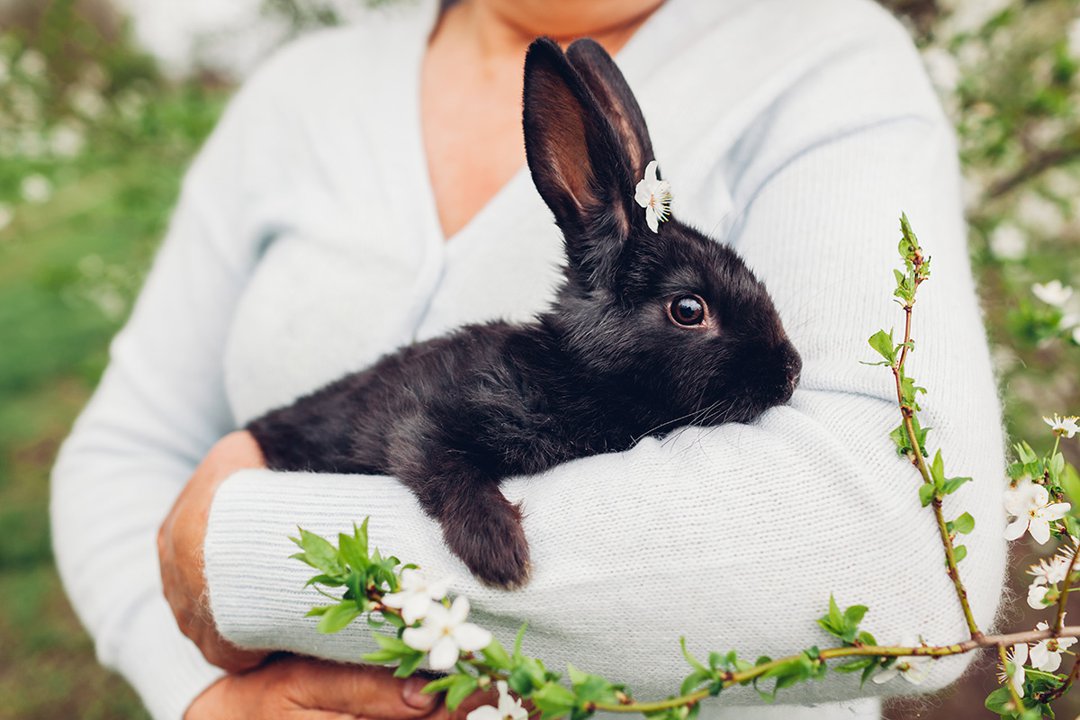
[
  {"x": 554, "y": 699},
  {"x": 1070, "y": 483},
  {"x": 439, "y": 684},
  {"x": 694, "y": 680},
  {"x": 496, "y": 656},
  {"x": 517, "y": 642},
  {"x": 1025, "y": 453},
  {"x": 926, "y": 494},
  {"x": 351, "y": 552},
  {"x": 855, "y": 614},
  {"x": 318, "y": 553},
  {"x": 690, "y": 659},
  {"x": 392, "y": 649},
  {"x": 462, "y": 687},
  {"x": 959, "y": 553},
  {"x": 883, "y": 345},
  {"x": 590, "y": 688},
  {"x": 999, "y": 701},
  {"x": 953, "y": 484},
  {"x": 937, "y": 469},
  {"x": 409, "y": 665},
  {"x": 338, "y": 617},
  {"x": 855, "y": 665},
  {"x": 964, "y": 524}
]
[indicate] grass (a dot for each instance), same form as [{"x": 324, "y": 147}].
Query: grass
[{"x": 92, "y": 240}]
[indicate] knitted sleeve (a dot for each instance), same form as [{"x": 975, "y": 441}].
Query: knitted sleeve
[{"x": 736, "y": 535}]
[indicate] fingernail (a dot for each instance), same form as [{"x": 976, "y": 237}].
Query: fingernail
[{"x": 411, "y": 693}]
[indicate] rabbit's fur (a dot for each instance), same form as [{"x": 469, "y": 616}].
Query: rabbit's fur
[{"x": 606, "y": 365}]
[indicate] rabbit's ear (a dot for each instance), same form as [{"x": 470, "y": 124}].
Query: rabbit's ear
[
  {"x": 577, "y": 162},
  {"x": 617, "y": 102}
]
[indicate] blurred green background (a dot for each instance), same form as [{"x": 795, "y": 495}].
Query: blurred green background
[{"x": 94, "y": 140}]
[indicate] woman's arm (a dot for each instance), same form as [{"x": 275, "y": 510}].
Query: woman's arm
[{"x": 734, "y": 535}]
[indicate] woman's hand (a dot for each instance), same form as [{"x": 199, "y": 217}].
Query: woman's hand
[
  {"x": 180, "y": 550},
  {"x": 300, "y": 688}
]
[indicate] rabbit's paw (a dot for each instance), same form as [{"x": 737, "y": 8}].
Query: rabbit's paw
[{"x": 491, "y": 542}]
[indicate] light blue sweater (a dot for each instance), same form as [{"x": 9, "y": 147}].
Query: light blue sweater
[{"x": 306, "y": 244}]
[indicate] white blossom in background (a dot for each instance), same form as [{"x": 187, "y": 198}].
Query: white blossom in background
[
  {"x": 7, "y": 215},
  {"x": 1050, "y": 572},
  {"x": 913, "y": 668},
  {"x": 88, "y": 102},
  {"x": 445, "y": 634},
  {"x": 509, "y": 707},
  {"x": 1074, "y": 38},
  {"x": 1039, "y": 214},
  {"x": 943, "y": 69},
  {"x": 1008, "y": 242},
  {"x": 32, "y": 64},
  {"x": 1030, "y": 504},
  {"x": 417, "y": 595},
  {"x": 1076, "y": 335},
  {"x": 1036, "y": 598},
  {"x": 968, "y": 16},
  {"x": 1052, "y": 293},
  {"x": 1066, "y": 426},
  {"x": 67, "y": 140},
  {"x": 1046, "y": 654},
  {"x": 36, "y": 189}
]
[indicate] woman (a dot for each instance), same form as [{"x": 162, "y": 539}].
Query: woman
[{"x": 365, "y": 189}]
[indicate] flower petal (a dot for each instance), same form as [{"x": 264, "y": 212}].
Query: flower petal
[
  {"x": 471, "y": 638},
  {"x": 1056, "y": 511},
  {"x": 459, "y": 610},
  {"x": 421, "y": 638},
  {"x": 1016, "y": 528},
  {"x": 1040, "y": 530},
  {"x": 484, "y": 712},
  {"x": 652, "y": 219},
  {"x": 416, "y": 607},
  {"x": 886, "y": 675},
  {"x": 444, "y": 654},
  {"x": 650, "y": 173},
  {"x": 642, "y": 195}
]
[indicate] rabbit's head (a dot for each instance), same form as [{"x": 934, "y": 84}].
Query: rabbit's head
[{"x": 669, "y": 317}]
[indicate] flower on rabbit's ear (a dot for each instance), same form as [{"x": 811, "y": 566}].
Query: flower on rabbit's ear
[{"x": 654, "y": 195}]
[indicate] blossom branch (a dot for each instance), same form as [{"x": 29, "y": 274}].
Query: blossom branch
[
  {"x": 1065, "y": 588},
  {"x": 908, "y": 285}
]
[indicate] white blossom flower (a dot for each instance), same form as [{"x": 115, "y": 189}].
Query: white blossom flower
[
  {"x": 1030, "y": 504},
  {"x": 509, "y": 707},
  {"x": 1074, "y": 38},
  {"x": 1036, "y": 598},
  {"x": 7, "y": 215},
  {"x": 1039, "y": 214},
  {"x": 1046, "y": 654},
  {"x": 1018, "y": 657},
  {"x": 445, "y": 634},
  {"x": 1052, "y": 293},
  {"x": 32, "y": 63},
  {"x": 1008, "y": 242},
  {"x": 87, "y": 102},
  {"x": 1067, "y": 426},
  {"x": 66, "y": 140},
  {"x": 1050, "y": 572},
  {"x": 914, "y": 668},
  {"x": 655, "y": 196},
  {"x": 416, "y": 595},
  {"x": 36, "y": 189}
]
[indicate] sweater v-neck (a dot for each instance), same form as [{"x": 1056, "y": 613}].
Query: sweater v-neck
[{"x": 513, "y": 192}]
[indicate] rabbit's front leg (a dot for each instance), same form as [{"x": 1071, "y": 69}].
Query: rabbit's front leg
[{"x": 479, "y": 524}]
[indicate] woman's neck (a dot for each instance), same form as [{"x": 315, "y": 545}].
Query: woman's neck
[{"x": 501, "y": 28}]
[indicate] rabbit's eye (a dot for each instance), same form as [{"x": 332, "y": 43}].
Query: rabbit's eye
[{"x": 687, "y": 310}]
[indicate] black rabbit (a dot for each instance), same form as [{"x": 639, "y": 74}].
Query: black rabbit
[{"x": 649, "y": 331}]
